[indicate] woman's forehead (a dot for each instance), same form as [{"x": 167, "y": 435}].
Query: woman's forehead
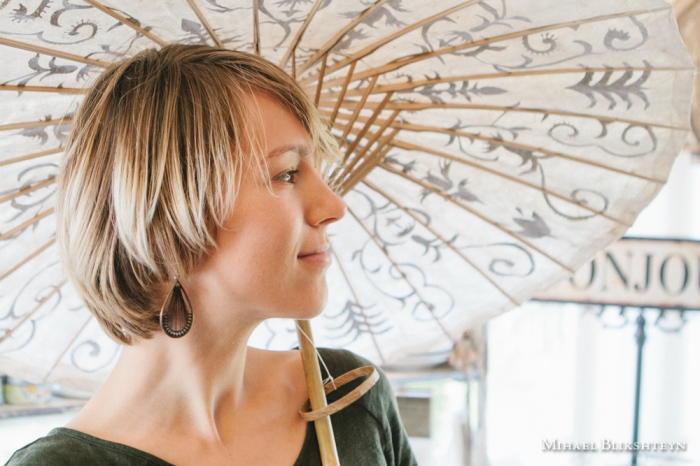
[{"x": 277, "y": 127}]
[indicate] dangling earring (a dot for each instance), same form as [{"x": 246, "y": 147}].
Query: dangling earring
[{"x": 176, "y": 312}]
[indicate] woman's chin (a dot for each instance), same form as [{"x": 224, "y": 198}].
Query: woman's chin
[
  {"x": 312, "y": 306},
  {"x": 308, "y": 312}
]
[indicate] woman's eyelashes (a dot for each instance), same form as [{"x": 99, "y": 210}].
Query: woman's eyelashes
[{"x": 289, "y": 176}]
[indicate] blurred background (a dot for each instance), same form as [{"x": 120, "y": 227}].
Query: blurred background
[{"x": 563, "y": 371}]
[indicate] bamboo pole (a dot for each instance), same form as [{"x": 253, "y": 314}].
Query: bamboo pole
[{"x": 317, "y": 396}]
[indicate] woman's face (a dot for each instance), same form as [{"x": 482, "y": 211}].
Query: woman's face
[{"x": 273, "y": 250}]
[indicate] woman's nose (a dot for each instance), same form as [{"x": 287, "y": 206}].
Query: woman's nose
[{"x": 326, "y": 206}]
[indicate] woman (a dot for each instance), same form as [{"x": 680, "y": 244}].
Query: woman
[{"x": 190, "y": 210}]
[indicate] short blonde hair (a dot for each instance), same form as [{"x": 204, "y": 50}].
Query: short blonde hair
[{"x": 151, "y": 169}]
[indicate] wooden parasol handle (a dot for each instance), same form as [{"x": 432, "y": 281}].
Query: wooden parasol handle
[{"x": 317, "y": 395}]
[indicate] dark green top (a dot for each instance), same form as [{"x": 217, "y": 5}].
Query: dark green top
[{"x": 368, "y": 432}]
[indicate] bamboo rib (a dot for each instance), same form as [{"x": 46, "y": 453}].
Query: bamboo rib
[
  {"x": 300, "y": 34},
  {"x": 347, "y": 169},
  {"x": 342, "y": 169},
  {"x": 357, "y": 300},
  {"x": 28, "y": 189},
  {"x": 57, "y": 90},
  {"x": 514, "y": 145},
  {"x": 368, "y": 125},
  {"x": 416, "y": 106},
  {"x": 426, "y": 150},
  {"x": 27, "y": 259},
  {"x": 29, "y": 157},
  {"x": 256, "y": 28},
  {"x": 475, "y": 213},
  {"x": 35, "y": 124},
  {"x": 348, "y": 178},
  {"x": 377, "y": 154},
  {"x": 32, "y": 312},
  {"x": 356, "y": 113},
  {"x": 325, "y": 48},
  {"x": 205, "y": 23},
  {"x": 359, "y": 175},
  {"x": 325, "y": 170},
  {"x": 442, "y": 239},
  {"x": 24, "y": 225},
  {"x": 319, "y": 85},
  {"x": 385, "y": 40},
  {"x": 401, "y": 62},
  {"x": 403, "y": 275},
  {"x": 51, "y": 52},
  {"x": 126, "y": 21},
  {"x": 346, "y": 83},
  {"x": 409, "y": 86},
  {"x": 371, "y": 162},
  {"x": 371, "y": 140}
]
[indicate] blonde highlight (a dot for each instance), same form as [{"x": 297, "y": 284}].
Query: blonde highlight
[{"x": 151, "y": 169}]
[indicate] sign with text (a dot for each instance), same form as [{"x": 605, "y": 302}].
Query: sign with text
[{"x": 638, "y": 272}]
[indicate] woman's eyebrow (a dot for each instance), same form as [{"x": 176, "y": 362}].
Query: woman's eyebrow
[{"x": 301, "y": 149}]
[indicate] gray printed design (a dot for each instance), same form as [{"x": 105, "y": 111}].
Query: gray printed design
[
  {"x": 62, "y": 25},
  {"x": 61, "y": 30},
  {"x": 476, "y": 85},
  {"x": 42, "y": 134},
  {"x": 353, "y": 321},
  {"x": 404, "y": 282},
  {"x": 35, "y": 200},
  {"x": 440, "y": 92},
  {"x": 193, "y": 33},
  {"x": 501, "y": 143},
  {"x": 17, "y": 212},
  {"x": 402, "y": 227},
  {"x": 44, "y": 71},
  {"x": 623, "y": 88},
  {"x": 281, "y": 16},
  {"x": 614, "y": 138},
  {"x": 91, "y": 356},
  {"x": 488, "y": 18},
  {"x": 24, "y": 306}
]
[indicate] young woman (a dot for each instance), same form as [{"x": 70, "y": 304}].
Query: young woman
[{"x": 190, "y": 210}]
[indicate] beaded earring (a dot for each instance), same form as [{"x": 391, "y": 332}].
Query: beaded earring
[{"x": 176, "y": 312}]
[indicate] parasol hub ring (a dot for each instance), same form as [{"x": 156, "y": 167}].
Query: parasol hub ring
[{"x": 347, "y": 400}]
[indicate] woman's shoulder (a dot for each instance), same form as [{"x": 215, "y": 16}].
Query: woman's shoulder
[
  {"x": 68, "y": 447},
  {"x": 340, "y": 359}
]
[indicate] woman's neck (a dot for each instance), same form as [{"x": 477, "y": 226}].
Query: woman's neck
[
  {"x": 168, "y": 383},
  {"x": 183, "y": 405},
  {"x": 204, "y": 384}
]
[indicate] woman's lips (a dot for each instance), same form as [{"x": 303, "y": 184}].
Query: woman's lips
[{"x": 319, "y": 257}]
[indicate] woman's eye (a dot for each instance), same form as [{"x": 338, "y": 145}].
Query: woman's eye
[{"x": 289, "y": 176}]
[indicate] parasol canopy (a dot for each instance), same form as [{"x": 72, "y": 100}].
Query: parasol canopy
[
  {"x": 491, "y": 147},
  {"x": 688, "y": 15}
]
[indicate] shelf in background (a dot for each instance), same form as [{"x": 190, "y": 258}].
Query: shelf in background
[{"x": 54, "y": 406}]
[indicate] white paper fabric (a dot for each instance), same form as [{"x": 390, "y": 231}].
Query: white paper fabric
[{"x": 501, "y": 144}]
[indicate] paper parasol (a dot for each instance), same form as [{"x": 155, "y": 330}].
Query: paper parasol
[{"x": 491, "y": 148}]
